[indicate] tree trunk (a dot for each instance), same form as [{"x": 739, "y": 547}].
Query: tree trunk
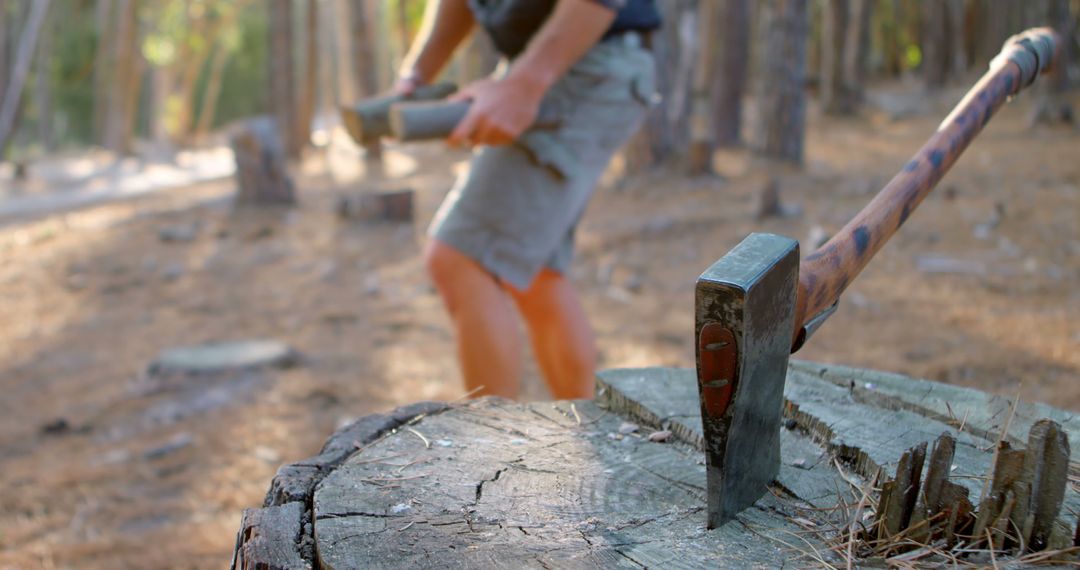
[
  {"x": 834, "y": 96},
  {"x": 43, "y": 84},
  {"x": 306, "y": 111},
  {"x": 4, "y": 51},
  {"x": 891, "y": 23},
  {"x": 935, "y": 44},
  {"x": 857, "y": 48},
  {"x": 994, "y": 28},
  {"x": 700, "y": 151},
  {"x": 104, "y": 66},
  {"x": 213, "y": 92},
  {"x": 957, "y": 37},
  {"x": 1052, "y": 104},
  {"x": 345, "y": 80},
  {"x": 193, "y": 62},
  {"x": 666, "y": 129},
  {"x": 161, "y": 82},
  {"x": 365, "y": 67},
  {"x": 282, "y": 75},
  {"x": 123, "y": 83},
  {"x": 782, "y": 91},
  {"x": 13, "y": 95},
  {"x": 729, "y": 85},
  {"x": 366, "y": 72}
]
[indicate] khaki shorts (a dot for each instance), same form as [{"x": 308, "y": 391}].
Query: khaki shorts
[{"x": 516, "y": 209}]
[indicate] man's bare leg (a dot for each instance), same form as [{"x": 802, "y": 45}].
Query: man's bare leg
[
  {"x": 488, "y": 338},
  {"x": 560, "y": 333}
]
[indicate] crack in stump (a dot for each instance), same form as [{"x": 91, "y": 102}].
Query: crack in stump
[
  {"x": 480, "y": 485},
  {"x": 348, "y": 514}
]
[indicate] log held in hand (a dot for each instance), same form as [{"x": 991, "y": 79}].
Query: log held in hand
[
  {"x": 369, "y": 120},
  {"x": 758, "y": 303}
]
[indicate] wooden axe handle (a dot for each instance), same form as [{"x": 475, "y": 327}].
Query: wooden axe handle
[{"x": 825, "y": 273}]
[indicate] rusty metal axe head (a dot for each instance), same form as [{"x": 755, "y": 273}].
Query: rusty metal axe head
[{"x": 745, "y": 307}]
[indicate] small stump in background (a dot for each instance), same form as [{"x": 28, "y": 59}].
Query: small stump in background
[
  {"x": 21, "y": 171},
  {"x": 261, "y": 166},
  {"x": 393, "y": 206}
]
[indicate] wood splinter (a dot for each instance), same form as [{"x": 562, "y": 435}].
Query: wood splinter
[{"x": 1019, "y": 506}]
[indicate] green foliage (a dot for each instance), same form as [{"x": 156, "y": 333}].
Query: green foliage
[
  {"x": 243, "y": 89},
  {"x": 72, "y": 70},
  {"x": 912, "y": 56}
]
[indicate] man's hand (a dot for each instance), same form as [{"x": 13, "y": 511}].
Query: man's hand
[{"x": 501, "y": 110}]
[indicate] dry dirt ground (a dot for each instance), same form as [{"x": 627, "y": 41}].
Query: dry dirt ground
[{"x": 144, "y": 475}]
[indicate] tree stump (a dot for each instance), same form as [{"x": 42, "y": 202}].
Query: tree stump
[
  {"x": 262, "y": 175},
  {"x": 392, "y": 206},
  {"x": 589, "y": 484}
]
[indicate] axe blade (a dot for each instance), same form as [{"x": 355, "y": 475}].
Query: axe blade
[{"x": 745, "y": 306}]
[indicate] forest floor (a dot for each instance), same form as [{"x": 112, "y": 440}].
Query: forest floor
[{"x": 978, "y": 289}]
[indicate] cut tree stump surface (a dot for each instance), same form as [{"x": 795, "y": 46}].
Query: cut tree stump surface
[
  {"x": 495, "y": 484},
  {"x": 508, "y": 485}
]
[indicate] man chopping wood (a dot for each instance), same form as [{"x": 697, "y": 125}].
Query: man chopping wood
[{"x": 503, "y": 238}]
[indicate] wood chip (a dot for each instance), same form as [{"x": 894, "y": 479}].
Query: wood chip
[{"x": 660, "y": 436}]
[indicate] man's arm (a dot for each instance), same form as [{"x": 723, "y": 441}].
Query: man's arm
[
  {"x": 503, "y": 109},
  {"x": 446, "y": 24}
]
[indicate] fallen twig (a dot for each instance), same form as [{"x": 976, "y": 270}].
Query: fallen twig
[{"x": 427, "y": 444}]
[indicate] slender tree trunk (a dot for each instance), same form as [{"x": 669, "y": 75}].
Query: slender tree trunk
[
  {"x": 161, "y": 82},
  {"x": 344, "y": 64},
  {"x": 857, "y": 48},
  {"x": 213, "y": 91},
  {"x": 13, "y": 95},
  {"x": 935, "y": 44},
  {"x": 306, "y": 112},
  {"x": 193, "y": 62},
  {"x": 730, "y": 79},
  {"x": 834, "y": 96},
  {"x": 5, "y": 16},
  {"x": 122, "y": 100},
  {"x": 957, "y": 37},
  {"x": 43, "y": 83},
  {"x": 892, "y": 43},
  {"x": 365, "y": 71},
  {"x": 665, "y": 132},
  {"x": 700, "y": 151},
  {"x": 104, "y": 66},
  {"x": 1052, "y": 104},
  {"x": 282, "y": 75},
  {"x": 782, "y": 91},
  {"x": 994, "y": 28},
  {"x": 133, "y": 82}
]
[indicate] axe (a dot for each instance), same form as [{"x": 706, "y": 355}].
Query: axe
[{"x": 760, "y": 303}]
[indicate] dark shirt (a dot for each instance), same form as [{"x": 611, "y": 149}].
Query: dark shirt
[
  {"x": 512, "y": 23},
  {"x": 633, "y": 15}
]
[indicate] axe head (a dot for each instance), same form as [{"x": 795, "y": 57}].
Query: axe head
[{"x": 745, "y": 305}]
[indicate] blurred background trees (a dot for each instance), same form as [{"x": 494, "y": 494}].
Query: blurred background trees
[{"x": 166, "y": 74}]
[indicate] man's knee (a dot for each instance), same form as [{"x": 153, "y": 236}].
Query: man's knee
[{"x": 542, "y": 297}]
